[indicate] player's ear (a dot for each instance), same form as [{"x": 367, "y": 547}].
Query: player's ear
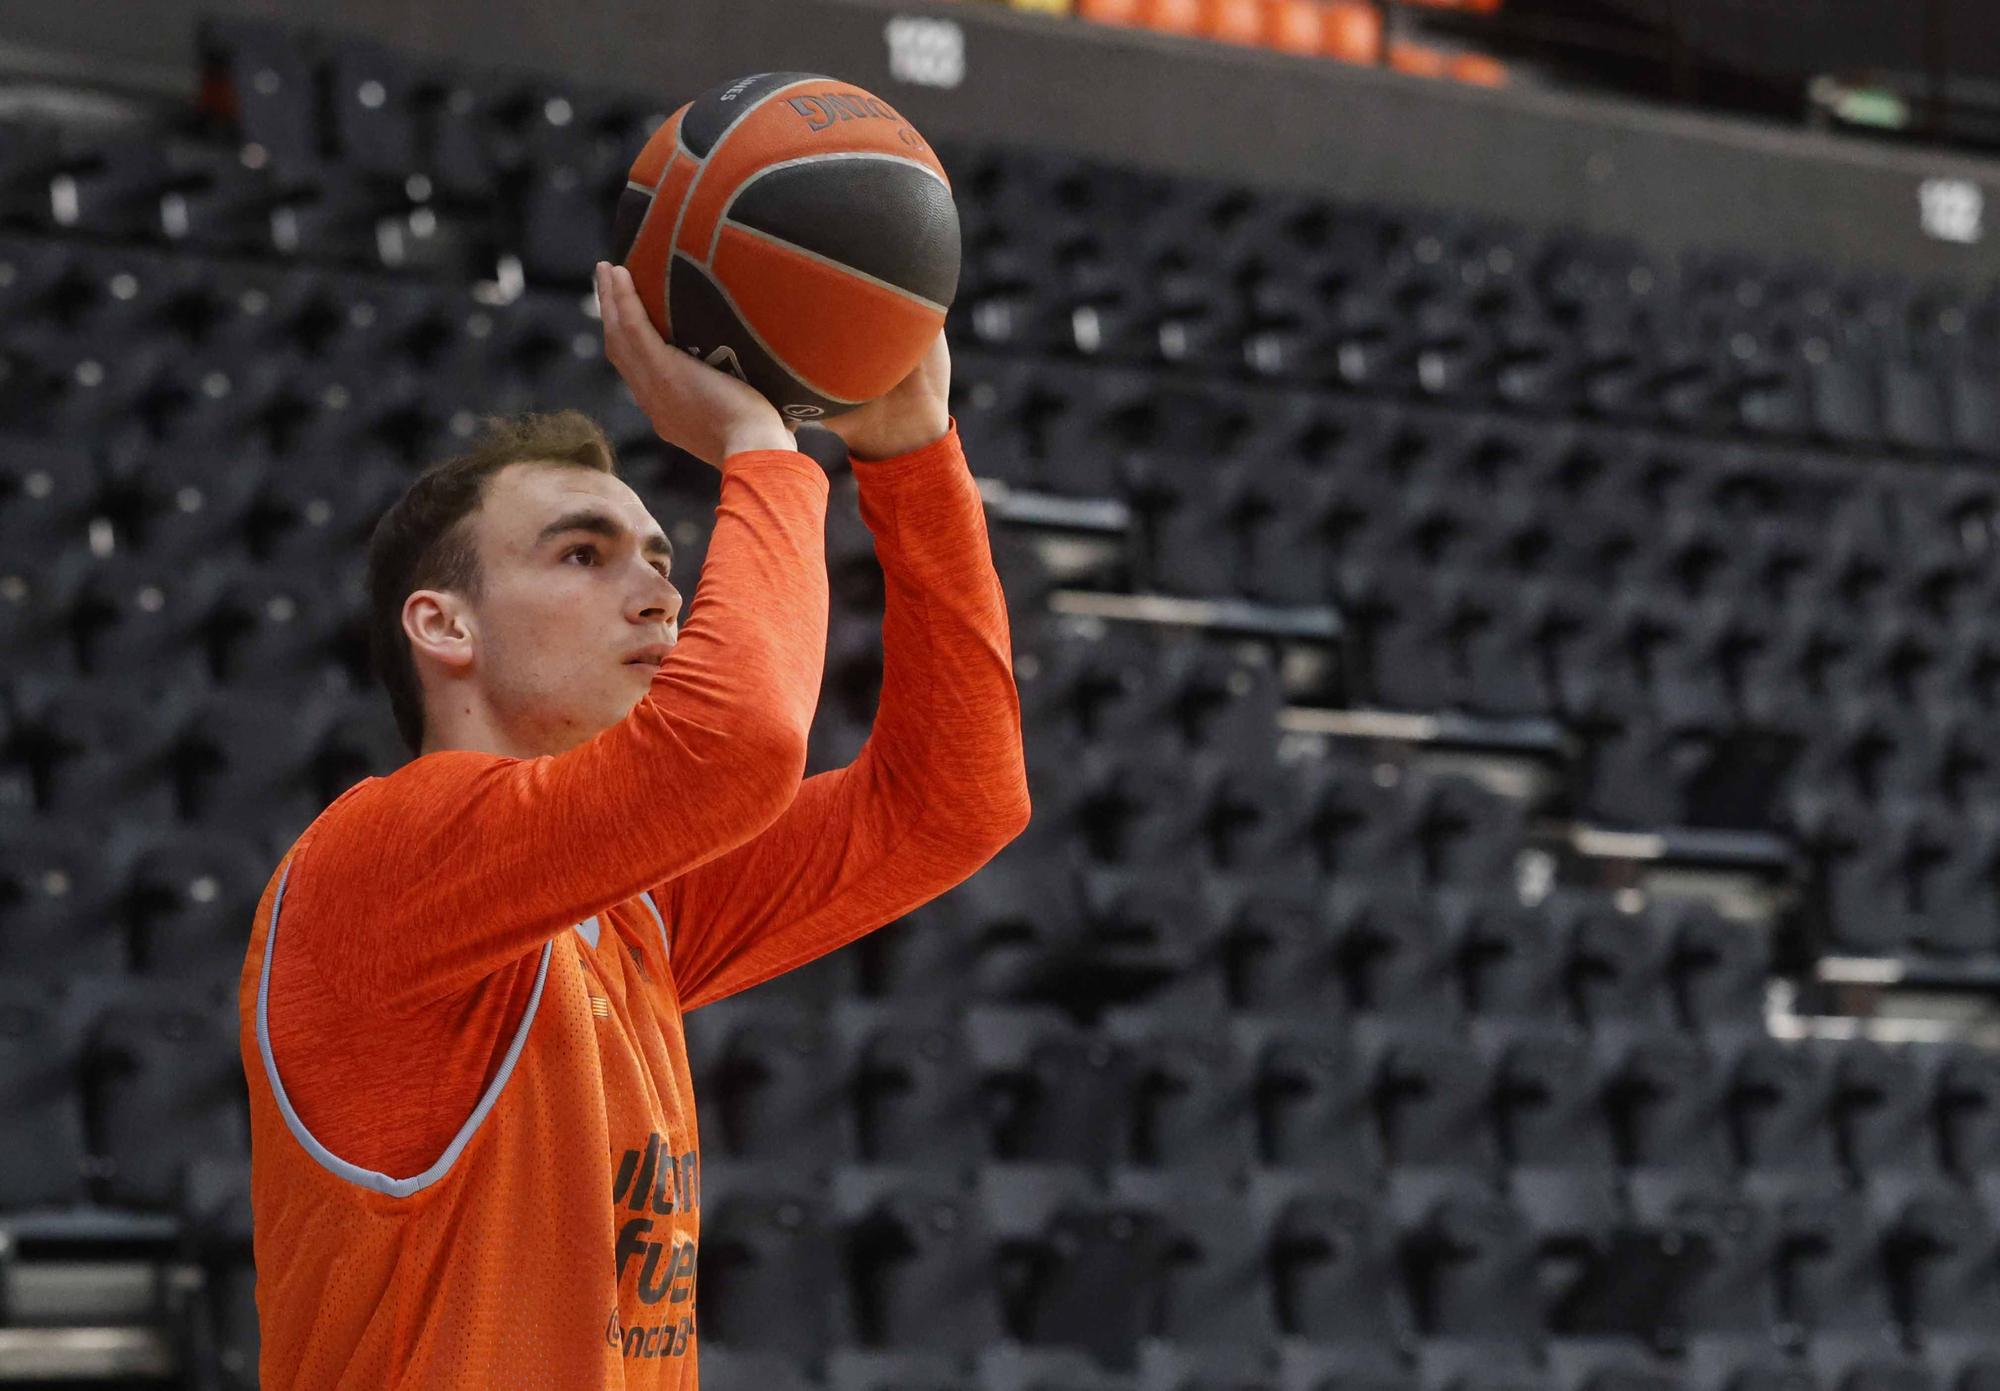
[{"x": 438, "y": 627}]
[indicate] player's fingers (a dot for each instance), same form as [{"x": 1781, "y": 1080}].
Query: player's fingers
[
  {"x": 607, "y": 303},
  {"x": 636, "y": 325}
]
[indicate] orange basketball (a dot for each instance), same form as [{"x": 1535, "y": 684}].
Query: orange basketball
[{"x": 796, "y": 231}]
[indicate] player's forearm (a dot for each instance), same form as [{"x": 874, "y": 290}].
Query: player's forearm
[{"x": 947, "y": 732}]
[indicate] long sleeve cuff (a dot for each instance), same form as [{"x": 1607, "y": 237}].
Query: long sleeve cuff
[{"x": 944, "y": 447}]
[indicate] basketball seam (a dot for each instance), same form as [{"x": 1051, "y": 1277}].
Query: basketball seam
[
  {"x": 737, "y": 192},
  {"x": 751, "y": 329},
  {"x": 841, "y": 266},
  {"x": 701, "y": 167}
]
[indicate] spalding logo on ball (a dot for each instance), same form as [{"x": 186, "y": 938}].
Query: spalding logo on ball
[{"x": 796, "y": 231}]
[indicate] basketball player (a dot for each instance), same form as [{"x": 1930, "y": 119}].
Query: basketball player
[{"x": 474, "y": 1157}]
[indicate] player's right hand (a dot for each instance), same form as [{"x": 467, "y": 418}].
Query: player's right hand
[{"x": 693, "y": 406}]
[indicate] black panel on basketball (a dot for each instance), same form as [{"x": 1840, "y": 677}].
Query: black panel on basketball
[
  {"x": 625, "y": 224},
  {"x": 703, "y": 320},
  {"x": 711, "y": 112},
  {"x": 881, "y": 200}
]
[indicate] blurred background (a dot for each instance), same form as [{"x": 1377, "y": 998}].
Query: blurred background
[{"x": 1499, "y": 509}]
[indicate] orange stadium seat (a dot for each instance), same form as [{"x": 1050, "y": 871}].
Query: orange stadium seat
[
  {"x": 1172, "y": 16},
  {"x": 1109, "y": 11},
  {"x": 1234, "y": 21},
  {"x": 1296, "y": 26},
  {"x": 1352, "y": 31}
]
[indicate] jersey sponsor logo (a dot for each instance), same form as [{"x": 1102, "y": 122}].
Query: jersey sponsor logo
[{"x": 658, "y": 1183}]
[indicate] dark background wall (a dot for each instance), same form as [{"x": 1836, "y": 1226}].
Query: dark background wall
[{"x": 1156, "y": 100}]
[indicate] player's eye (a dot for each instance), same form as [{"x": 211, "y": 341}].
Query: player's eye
[{"x": 584, "y": 550}]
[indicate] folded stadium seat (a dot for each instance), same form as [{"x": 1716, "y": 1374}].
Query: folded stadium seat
[
  {"x": 1910, "y": 883},
  {"x": 912, "y": 1093},
  {"x": 1513, "y": 662},
  {"x": 1350, "y": 816},
  {"x": 1507, "y": 958},
  {"x": 303, "y": 521},
  {"x": 40, "y": 591},
  {"x": 190, "y": 897},
  {"x": 1394, "y": 958},
  {"x": 246, "y": 759},
  {"x": 1666, "y": 1100},
  {"x": 60, "y": 889},
  {"x": 1191, "y": 1106},
  {"x": 371, "y": 96},
  {"x": 44, "y": 1150},
  {"x": 1470, "y": 1262},
  {"x": 1278, "y": 957},
  {"x": 1615, "y": 963},
  {"x": 1546, "y": 1090},
  {"x": 1148, "y": 934},
  {"x": 1219, "y": 701},
  {"x": 1780, "y": 1103},
  {"x": 869, "y": 1369},
  {"x": 1012, "y": 301},
  {"x": 111, "y": 188},
  {"x": 37, "y": 277},
  {"x": 358, "y": 740},
  {"x": 49, "y": 491},
  {"x": 1846, "y": 401},
  {"x": 1719, "y": 969},
  {"x": 1963, "y": 1094},
  {"x": 1208, "y": 541},
  {"x": 1200, "y": 318},
  {"x": 1175, "y": 1365},
  {"x": 1006, "y": 1365},
  {"x": 1867, "y": 1363},
  {"x": 274, "y": 628},
  {"x": 1251, "y": 820},
  {"x": 1881, "y": 1108},
  {"x": 164, "y": 1083},
  {"x": 1317, "y": 1367},
  {"x": 1339, "y": 1296},
  {"x": 1432, "y": 1098},
  {"x": 180, "y": 506},
  {"x": 746, "y": 1369},
  {"x": 1973, "y": 411},
  {"x": 1939, "y": 1244},
  {"x": 1078, "y": 1268},
  {"x": 1735, "y": 1295},
  {"x": 1287, "y": 335},
  {"x": 1125, "y": 807},
  {"x": 765, "y": 1068},
  {"x": 1008, "y": 933},
  {"x": 90, "y": 745},
  {"x": 1445, "y": 828},
  {"x": 1313, "y": 1097},
  {"x": 1214, "y": 1291},
  {"x": 262, "y": 81},
  {"x": 1402, "y": 614},
  {"x": 1060, "y": 1093},
  {"x": 990, "y": 400},
  {"x": 214, "y": 1211},
  {"x": 770, "y": 1275},
  {"x": 919, "y": 1260},
  {"x": 1913, "y": 407},
  {"x": 1603, "y": 1363},
  {"x": 340, "y": 216}
]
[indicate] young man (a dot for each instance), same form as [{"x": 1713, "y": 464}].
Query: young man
[{"x": 474, "y": 1158}]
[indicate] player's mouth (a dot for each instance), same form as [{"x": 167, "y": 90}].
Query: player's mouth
[{"x": 649, "y": 657}]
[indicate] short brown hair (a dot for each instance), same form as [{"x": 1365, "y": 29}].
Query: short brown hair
[{"x": 424, "y": 542}]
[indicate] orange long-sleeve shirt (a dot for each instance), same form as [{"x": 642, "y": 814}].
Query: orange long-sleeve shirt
[{"x": 474, "y": 1150}]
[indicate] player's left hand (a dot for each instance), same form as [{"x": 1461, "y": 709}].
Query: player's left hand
[{"x": 913, "y": 413}]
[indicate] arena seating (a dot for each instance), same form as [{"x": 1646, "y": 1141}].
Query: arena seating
[{"x": 1416, "y": 621}]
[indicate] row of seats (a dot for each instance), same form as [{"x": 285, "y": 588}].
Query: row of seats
[
  {"x": 1198, "y": 1092},
  {"x": 795, "y": 1265}
]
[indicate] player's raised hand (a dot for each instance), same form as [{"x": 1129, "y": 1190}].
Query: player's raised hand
[
  {"x": 692, "y": 405},
  {"x": 910, "y": 415}
]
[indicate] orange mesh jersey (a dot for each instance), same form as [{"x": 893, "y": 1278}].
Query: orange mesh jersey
[{"x": 473, "y": 1141}]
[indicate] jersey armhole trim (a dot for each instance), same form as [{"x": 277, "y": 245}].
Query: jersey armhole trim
[
  {"x": 333, "y": 1163},
  {"x": 666, "y": 952}
]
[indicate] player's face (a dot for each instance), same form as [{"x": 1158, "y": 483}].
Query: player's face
[{"x": 575, "y": 582}]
